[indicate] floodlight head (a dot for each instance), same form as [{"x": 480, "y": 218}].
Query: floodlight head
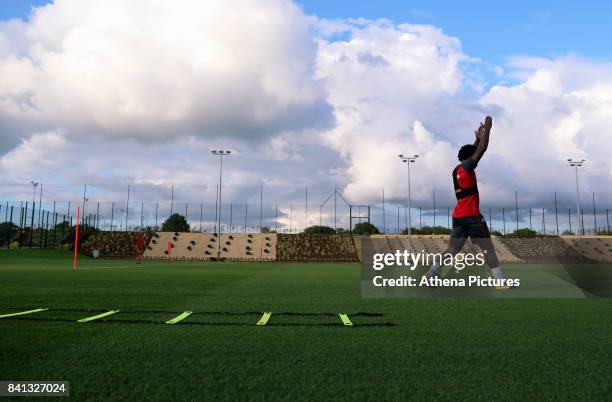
[
  {"x": 416, "y": 156},
  {"x": 401, "y": 155}
]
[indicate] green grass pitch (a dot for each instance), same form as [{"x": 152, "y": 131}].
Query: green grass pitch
[{"x": 435, "y": 350}]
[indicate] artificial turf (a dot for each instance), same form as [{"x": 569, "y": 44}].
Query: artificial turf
[{"x": 448, "y": 349}]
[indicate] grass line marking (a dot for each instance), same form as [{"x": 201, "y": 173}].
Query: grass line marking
[
  {"x": 23, "y": 313},
  {"x": 264, "y": 318},
  {"x": 179, "y": 317},
  {"x": 345, "y": 320},
  {"x": 96, "y": 317}
]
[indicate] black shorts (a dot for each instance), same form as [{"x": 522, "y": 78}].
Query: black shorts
[{"x": 473, "y": 227}]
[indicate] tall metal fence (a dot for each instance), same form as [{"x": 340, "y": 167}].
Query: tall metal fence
[{"x": 46, "y": 216}]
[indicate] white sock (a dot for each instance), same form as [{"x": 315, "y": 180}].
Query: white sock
[
  {"x": 497, "y": 273},
  {"x": 434, "y": 270}
]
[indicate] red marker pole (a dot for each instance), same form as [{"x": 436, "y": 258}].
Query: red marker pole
[{"x": 76, "y": 238}]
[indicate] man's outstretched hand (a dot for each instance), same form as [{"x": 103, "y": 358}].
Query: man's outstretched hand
[
  {"x": 484, "y": 128},
  {"x": 488, "y": 123},
  {"x": 482, "y": 138}
]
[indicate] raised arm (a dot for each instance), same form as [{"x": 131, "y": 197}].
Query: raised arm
[{"x": 482, "y": 139}]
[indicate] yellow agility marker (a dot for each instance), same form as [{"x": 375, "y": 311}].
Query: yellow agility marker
[
  {"x": 97, "y": 317},
  {"x": 264, "y": 318},
  {"x": 179, "y": 317},
  {"x": 345, "y": 320},
  {"x": 23, "y": 313}
]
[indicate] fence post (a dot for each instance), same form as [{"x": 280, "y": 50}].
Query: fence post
[
  {"x": 8, "y": 236},
  {"x": 64, "y": 222},
  {"x": 113, "y": 215},
  {"x": 420, "y": 218},
  {"x": 306, "y": 210},
  {"x": 97, "y": 226},
  {"x": 72, "y": 233},
  {"x": 569, "y": 218},
  {"x": 32, "y": 222},
  {"x": 83, "y": 207},
  {"x": 127, "y": 209},
  {"x": 41, "y": 221},
  {"x": 504, "y": 218},
  {"x": 20, "y": 222},
  {"x": 434, "y": 211},
  {"x": 40, "y": 206},
  {"x": 54, "y": 227},
  {"x": 384, "y": 216},
  {"x": 42, "y": 232},
  {"x": 276, "y": 218},
  {"x": 260, "y": 207},
  {"x": 556, "y": 215},
  {"x": 246, "y": 216},
  {"x": 47, "y": 229},
  {"x": 172, "y": 200},
  {"x": 516, "y": 209},
  {"x": 594, "y": 215},
  {"x": 231, "y": 218},
  {"x": 398, "y": 218}
]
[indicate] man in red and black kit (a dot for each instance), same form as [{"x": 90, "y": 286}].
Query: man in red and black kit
[{"x": 467, "y": 219}]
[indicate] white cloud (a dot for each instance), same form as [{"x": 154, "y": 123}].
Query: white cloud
[
  {"x": 158, "y": 69},
  {"x": 561, "y": 110},
  {"x": 387, "y": 84}
]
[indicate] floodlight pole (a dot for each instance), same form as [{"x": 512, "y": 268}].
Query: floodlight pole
[
  {"x": 34, "y": 185},
  {"x": 576, "y": 163},
  {"x": 581, "y": 224},
  {"x": 84, "y": 201},
  {"x": 220, "y": 154},
  {"x": 408, "y": 160}
]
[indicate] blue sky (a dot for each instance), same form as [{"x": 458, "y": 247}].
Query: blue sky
[
  {"x": 495, "y": 30},
  {"x": 492, "y": 31}
]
